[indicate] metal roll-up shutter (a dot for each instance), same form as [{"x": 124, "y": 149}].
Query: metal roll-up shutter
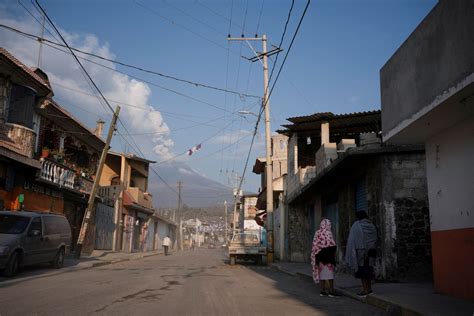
[{"x": 361, "y": 196}]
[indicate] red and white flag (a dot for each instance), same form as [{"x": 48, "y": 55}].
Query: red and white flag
[{"x": 194, "y": 149}]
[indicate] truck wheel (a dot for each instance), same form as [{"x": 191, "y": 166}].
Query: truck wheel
[
  {"x": 12, "y": 266},
  {"x": 232, "y": 260}
]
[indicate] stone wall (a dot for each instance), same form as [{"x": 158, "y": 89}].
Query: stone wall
[
  {"x": 405, "y": 196},
  {"x": 298, "y": 234}
]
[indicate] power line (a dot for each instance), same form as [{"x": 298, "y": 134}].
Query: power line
[
  {"x": 194, "y": 18},
  {"x": 124, "y": 64},
  {"x": 259, "y": 17},
  {"x": 77, "y": 59},
  {"x": 183, "y": 27},
  {"x": 176, "y": 115},
  {"x": 270, "y": 93}
]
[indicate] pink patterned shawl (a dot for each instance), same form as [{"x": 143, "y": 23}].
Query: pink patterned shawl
[{"x": 322, "y": 239}]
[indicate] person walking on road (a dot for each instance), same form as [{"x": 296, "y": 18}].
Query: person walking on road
[
  {"x": 323, "y": 258},
  {"x": 166, "y": 244},
  {"x": 361, "y": 251}
]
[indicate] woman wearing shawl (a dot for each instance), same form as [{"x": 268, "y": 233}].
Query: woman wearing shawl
[
  {"x": 323, "y": 258},
  {"x": 361, "y": 251}
]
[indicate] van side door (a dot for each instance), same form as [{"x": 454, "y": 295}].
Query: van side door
[
  {"x": 34, "y": 243},
  {"x": 52, "y": 236}
]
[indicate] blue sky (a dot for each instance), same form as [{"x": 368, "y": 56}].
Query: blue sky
[{"x": 333, "y": 66}]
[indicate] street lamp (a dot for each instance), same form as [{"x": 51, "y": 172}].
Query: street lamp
[{"x": 247, "y": 113}]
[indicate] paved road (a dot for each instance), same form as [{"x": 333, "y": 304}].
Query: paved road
[{"x": 187, "y": 283}]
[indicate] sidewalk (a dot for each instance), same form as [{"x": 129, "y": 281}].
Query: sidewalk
[{"x": 395, "y": 298}]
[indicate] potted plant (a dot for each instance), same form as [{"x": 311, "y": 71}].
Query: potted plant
[{"x": 45, "y": 152}]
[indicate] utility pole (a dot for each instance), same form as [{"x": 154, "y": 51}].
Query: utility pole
[
  {"x": 90, "y": 206},
  {"x": 268, "y": 141},
  {"x": 225, "y": 221},
  {"x": 180, "y": 234}
]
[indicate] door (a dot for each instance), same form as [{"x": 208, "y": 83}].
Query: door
[
  {"x": 34, "y": 243},
  {"x": 52, "y": 236},
  {"x": 105, "y": 227}
]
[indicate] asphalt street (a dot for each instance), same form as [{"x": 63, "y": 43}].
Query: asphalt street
[{"x": 199, "y": 282}]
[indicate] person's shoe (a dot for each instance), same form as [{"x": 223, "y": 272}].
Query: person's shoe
[
  {"x": 370, "y": 292},
  {"x": 322, "y": 294},
  {"x": 332, "y": 294},
  {"x": 362, "y": 294}
]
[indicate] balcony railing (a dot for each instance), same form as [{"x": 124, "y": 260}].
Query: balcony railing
[
  {"x": 144, "y": 199},
  {"x": 110, "y": 193},
  {"x": 63, "y": 176}
]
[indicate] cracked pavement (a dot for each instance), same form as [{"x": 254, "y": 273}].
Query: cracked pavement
[{"x": 196, "y": 282}]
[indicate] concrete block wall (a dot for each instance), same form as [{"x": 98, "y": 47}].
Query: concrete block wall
[
  {"x": 325, "y": 155},
  {"x": 405, "y": 202},
  {"x": 298, "y": 234}
]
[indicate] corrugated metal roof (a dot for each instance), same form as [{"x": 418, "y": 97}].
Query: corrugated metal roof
[
  {"x": 329, "y": 116},
  {"x": 357, "y": 122}
]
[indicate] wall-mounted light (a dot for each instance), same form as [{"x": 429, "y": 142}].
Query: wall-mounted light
[{"x": 308, "y": 140}]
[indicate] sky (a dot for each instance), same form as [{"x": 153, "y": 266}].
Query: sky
[{"x": 333, "y": 66}]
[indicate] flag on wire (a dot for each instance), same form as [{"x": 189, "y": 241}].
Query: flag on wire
[{"x": 194, "y": 149}]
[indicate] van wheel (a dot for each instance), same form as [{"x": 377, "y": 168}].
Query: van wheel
[
  {"x": 58, "y": 261},
  {"x": 13, "y": 265}
]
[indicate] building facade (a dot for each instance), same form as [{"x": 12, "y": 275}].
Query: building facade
[
  {"x": 48, "y": 158},
  {"x": 427, "y": 90},
  {"x": 352, "y": 171}
]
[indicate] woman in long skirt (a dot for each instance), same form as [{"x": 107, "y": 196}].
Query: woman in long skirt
[{"x": 323, "y": 258}]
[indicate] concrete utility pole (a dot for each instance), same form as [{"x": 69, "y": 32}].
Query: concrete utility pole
[
  {"x": 180, "y": 233},
  {"x": 268, "y": 141},
  {"x": 225, "y": 221},
  {"x": 90, "y": 206}
]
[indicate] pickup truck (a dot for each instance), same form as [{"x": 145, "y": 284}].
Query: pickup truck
[{"x": 246, "y": 246}]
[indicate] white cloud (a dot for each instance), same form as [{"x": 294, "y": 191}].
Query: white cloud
[{"x": 63, "y": 70}]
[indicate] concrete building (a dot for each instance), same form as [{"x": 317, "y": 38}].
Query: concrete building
[
  {"x": 427, "y": 90},
  {"x": 279, "y": 147},
  {"x": 352, "y": 171},
  {"x": 124, "y": 185}
]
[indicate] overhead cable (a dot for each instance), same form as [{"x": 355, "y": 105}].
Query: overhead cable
[{"x": 124, "y": 64}]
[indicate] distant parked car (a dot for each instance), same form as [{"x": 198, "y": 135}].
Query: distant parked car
[{"x": 28, "y": 238}]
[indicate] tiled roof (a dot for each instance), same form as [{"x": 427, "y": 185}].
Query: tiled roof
[{"x": 25, "y": 68}]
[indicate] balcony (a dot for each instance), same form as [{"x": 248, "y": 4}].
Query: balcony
[
  {"x": 62, "y": 176},
  {"x": 144, "y": 199},
  {"x": 22, "y": 137},
  {"x": 110, "y": 193}
]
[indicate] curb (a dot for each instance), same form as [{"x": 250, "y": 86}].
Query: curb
[
  {"x": 389, "y": 307},
  {"x": 73, "y": 269}
]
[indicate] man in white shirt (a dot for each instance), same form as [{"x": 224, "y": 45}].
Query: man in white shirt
[{"x": 166, "y": 244}]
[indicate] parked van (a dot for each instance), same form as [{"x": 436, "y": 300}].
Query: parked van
[{"x": 28, "y": 238}]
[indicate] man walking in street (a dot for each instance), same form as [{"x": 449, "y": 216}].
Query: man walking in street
[{"x": 166, "y": 244}]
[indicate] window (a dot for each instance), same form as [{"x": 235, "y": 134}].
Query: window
[
  {"x": 55, "y": 225},
  {"x": 36, "y": 225},
  {"x": 12, "y": 224},
  {"x": 21, "y": 109}
]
